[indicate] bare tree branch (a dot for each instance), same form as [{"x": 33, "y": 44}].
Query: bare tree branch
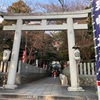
[{"x": 62, "y": 4}]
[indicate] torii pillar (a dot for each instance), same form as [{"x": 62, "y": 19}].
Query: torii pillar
[
  {"x": 14, "y": 57},
  {"x": 73, "y": 66}
]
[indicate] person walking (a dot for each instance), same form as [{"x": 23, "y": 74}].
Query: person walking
[{"x": 55, "y": 74}]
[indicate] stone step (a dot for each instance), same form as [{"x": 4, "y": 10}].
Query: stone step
[{"x": 47, "y": 97}]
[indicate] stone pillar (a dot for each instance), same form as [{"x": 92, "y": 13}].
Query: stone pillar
[
  {"x": 19, "y": 66},
  {"x": 36, "y": 62},
  {"x": 1, "y": 66},
  {"x": 14, "y": 57},
  {"x": 73, "y": 67}
]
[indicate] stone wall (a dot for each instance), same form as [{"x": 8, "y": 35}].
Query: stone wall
[
  {"x": 84, "y": 80},
  {"x": 29, "y": 77},
  {"x": 2, "y": 78},
  {"x": 28, "y": 73},
  {"x": 25, "y": 73},
  {"x": 23, "y": 78}
]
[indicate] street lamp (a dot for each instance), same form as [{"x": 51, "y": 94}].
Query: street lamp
[
  {"x": 76, "y": 54},
  {"x": 1, "y": 19},
  {"x": 6, "y": 55}
]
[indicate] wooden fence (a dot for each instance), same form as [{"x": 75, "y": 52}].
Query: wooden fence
[{"x": 87, "y": 68}]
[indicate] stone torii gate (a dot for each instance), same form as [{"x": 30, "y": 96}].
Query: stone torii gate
[{"x": 69, "y": 26}]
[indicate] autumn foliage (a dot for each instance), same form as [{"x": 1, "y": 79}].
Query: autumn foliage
[{"x": 39, "y": 44}]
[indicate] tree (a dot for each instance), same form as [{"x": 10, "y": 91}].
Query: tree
[
  {"x": 19, "y": 7},
  {"x": 46, "y": 48},
  {"x": 72, "y": 5},
  {"x": 85, "y": 39},
  {"x": 62, "y": 5},
  {"x": 6, "y": 37},
  {"x": 62, "y": 2}
]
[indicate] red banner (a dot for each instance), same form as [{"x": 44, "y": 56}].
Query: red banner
[
  {"x": 24, "y": 56},
  {"x": 98, "y": 83}
]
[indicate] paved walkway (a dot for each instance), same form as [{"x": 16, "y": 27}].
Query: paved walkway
[{"x": 47, "y": 89}]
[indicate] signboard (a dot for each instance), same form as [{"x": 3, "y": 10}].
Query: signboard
[
  {"x": 96, "y": 17},
  {"x": 96, "y": 12}
]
